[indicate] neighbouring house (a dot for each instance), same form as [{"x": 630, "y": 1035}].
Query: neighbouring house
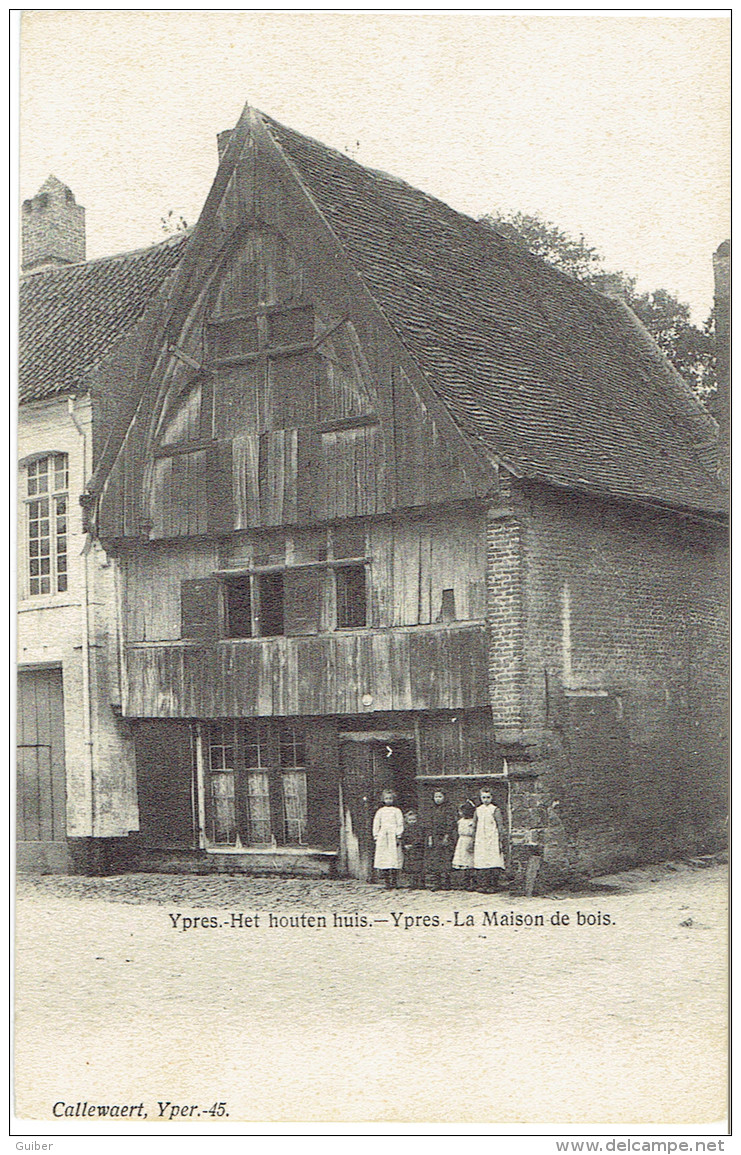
[
  {"x": 76, "y": 776},
  {"x": 720, "y": 404},
  {"x": 389, "y": 501}
]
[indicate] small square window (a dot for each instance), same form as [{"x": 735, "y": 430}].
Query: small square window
[
  {"x": 351, "y": 597},
  {"x": 348, "y": 541},
  {"x": 238, "y": 607},
  {"x": 255, "y": 753},
  {"x": 270, "y": 549},
  {"x": 272, "y": 618},
  {"x": 294, "y": 327},
  {"x": 233, "y": 339}
]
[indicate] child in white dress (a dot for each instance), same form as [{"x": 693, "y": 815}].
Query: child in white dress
[
  {"x": 463, "y": 855},
  {"x": 388, "y": 827}
]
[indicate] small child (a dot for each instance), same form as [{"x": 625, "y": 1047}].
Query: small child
[
  {"x": 463, "y": 855},
  {"x": 388, "y": 827},
  {"x": 441, "y": 835},
  {"x": 413, "y": 845}
]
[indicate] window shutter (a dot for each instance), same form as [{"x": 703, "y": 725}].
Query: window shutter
[
  {"x": 165, "y": 763},
  {"x": 200, "y": 608},
  {"x": 322, "y": 786},
  {"x": 352, "y": 596},
  {"x": 323, "y": 808},
  {"x": 220, "y": 488},
  {"x": 301, "y": 600},
  {"x": 292, "y": 391}
]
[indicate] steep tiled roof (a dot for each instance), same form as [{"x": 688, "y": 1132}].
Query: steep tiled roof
[
  {"x": 543, "y": 371},
  {"x": 70, "y": 317}
]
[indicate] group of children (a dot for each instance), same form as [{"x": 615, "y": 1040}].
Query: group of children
[{"x": 469, "y": 849}]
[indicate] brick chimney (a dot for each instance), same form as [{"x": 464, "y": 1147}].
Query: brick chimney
[
  {"x": 52, "y": 227},
  {"x": 722, "y": 277},
  {"x": 720, "y": 405}
]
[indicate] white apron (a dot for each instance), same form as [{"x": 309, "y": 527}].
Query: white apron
[
  {"x": 487, "y": 852},
  {"x": 463, "y": 857},
  {"x": 388, "y": 827}
]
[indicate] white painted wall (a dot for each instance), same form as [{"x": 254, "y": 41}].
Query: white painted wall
[{"x": 77, "y": 631}]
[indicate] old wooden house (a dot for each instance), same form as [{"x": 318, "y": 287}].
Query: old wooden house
[{"x": 390, "y": 501}]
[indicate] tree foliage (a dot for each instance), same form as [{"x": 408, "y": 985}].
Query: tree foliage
[
  {"x": 545, "y": 240},
  {"x": 173, "y": 223},
  {"x": 690, "y": 349}
]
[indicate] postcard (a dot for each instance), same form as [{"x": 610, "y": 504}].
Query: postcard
[{"x": 372, "y": 581}]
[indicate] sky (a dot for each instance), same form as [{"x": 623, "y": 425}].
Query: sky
[{"x": 615, "y": 127}]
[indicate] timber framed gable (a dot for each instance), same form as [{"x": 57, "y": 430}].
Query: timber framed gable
[{"x": 278, "y": 379}]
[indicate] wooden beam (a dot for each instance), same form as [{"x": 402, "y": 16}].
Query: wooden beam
[
  {"x": 366, "y": 421},
  {"x": 328, "y": 563}
]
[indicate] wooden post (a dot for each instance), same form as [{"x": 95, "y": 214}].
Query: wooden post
[{"x": 200, "y": 787}]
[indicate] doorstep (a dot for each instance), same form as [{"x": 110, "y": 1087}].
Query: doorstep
[{"x": 301, "y": 861}]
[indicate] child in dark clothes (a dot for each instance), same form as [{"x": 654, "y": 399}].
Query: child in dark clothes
[
  {"x": 441, "y": 839},
  {"x": 413, "y": 845}
]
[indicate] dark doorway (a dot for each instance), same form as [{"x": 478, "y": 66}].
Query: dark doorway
[
  {"x": 458, "y": 790},
  {"x": 368, "y": 766},
  {"x": 395, "y": 766}
]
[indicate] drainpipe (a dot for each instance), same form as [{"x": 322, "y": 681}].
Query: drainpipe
[
  {"x": 87, "y": 719},
  {"x": 566, "y": 635}
]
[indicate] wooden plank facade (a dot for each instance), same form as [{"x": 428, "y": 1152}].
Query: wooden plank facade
[
  {"x": 301, "y": 537},
  {"x": 389, "y": 670}
]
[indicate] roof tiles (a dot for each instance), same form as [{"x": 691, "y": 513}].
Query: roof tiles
[
  {"x": 70, "y": 317},
  {"x": 540, "y": 369}
]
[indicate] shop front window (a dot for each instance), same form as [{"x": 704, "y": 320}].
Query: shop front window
[
  {"x": 247, "y": 765},
  {"x": 221, "y": 811},
  {"x": 293, "y": 779},
  {"x": 257, "y": 789}
]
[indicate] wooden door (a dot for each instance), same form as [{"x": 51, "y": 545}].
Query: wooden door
[
  {"x": 164, "y": 773},
  {"x": 42, "y": 788},
  {"x": 356, "y": 762}
]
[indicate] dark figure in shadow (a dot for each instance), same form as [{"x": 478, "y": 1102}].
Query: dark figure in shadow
[
  {"x": 441, "y": 839},
  {"x": 413, "y": 846}
]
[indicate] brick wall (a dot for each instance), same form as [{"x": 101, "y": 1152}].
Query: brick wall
[
  {"x": 617, "y": 673},
  {"x": 506, "y": 624}
]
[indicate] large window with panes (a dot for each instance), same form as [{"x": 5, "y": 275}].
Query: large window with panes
[
  {"x": 46, "y": 503},
  {"x": 304, "y": 589},
  {"x": 255, "y": 784}
]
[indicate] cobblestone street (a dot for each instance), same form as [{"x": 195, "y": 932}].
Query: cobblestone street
[{"x": 418, "y": 1006}]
